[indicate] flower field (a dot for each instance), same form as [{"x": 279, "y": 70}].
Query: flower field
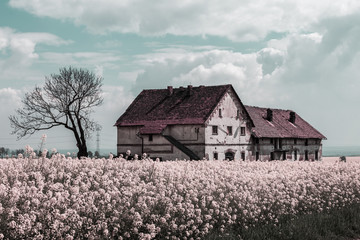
[{"x": 65, "y": 198}]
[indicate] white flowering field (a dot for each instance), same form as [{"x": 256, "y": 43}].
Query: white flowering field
[{"x": 67, "y": 198}]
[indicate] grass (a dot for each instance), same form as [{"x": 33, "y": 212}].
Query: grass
[{"x": 335, "y": 224}]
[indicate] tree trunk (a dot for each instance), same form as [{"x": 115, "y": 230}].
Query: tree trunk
[{"x": 82, "y": 150}]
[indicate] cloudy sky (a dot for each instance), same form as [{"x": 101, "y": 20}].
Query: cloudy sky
[{"x": 301, "y": 55}]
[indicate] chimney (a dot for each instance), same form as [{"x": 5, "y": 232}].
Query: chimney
[
  {"x": 170, "y": 90},
  {"x": 190, "y": 90},
  {"x": 292, "y": 117},
  {"x": 269, "y": 115}
]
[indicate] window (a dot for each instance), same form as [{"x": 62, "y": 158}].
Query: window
[
  {"x": 295, "y": 141},
  {"x": 316, "y": 155},
  {"x": 257, "y": 156},
  {"x": 150, "y": 138},
  {"x": 214, "y": 130},
  {"x": 295, "y": 155},
  {"x": 215, "y": 156},
  {"x": 272, "y": 156},
  {"x": 271, "y": 141},
  {"x": 229, "y": 130},
  {"x": 306, "y": 155},
  {"x": 284, "y": 155},
  {"x": 238, "y": 113},
  {"x": 306, "y": 142},
  {"x": 242, "y": 131},
  {"x": 220, "y": 112},
  {"x": 229, "y": 156},
  {"x": 243, "y": 156}
]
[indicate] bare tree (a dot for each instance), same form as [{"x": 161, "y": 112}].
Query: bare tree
[{"x": 67, "y": 99}]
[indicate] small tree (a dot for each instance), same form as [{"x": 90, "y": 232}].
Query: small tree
[
  {"x": 2, "y": 151},
  {"x": 67, "y": 99}
]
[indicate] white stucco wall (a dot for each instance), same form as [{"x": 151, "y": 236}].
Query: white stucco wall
[{"x": 232, "y": 114}]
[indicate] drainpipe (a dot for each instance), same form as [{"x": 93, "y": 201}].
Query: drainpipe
[{"x": 142, "y": 143}]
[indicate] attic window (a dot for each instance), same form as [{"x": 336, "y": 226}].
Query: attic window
[
  {"x": 150, "y": 137},
  {"x": 306, "y": 142},
  {"x": 214, "y": 130},
  {"x": 220, "y": 112}
]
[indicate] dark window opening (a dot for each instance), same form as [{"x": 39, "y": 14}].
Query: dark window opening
[
  {"x": 272, "y": 156},
  {"x": 214, "y": 130},
  {"x": 243, "y": 156},
  {"x": 150, "y": 138},
  {"x": 256, "y": 140},
  {"x": 306, "y": 142},
  {"x": 280, "y": 143},
  {"x": 220, "y": 113},
  {"x": 316, "y": 155},
  {"x": 284, "y": 155},
  {"x": 238, "y": 113},
  {"x": 271, "y": 141},
  {"x": 242, "y": 131},
  {"x": 295, "y": 155},
  {"x": 229, "y": 156},
  {"x": 306, "y": 155},
  {"x": 215, "y": 156},
  {"x": 257, "y": 156},
  {"x": 229, "y": 129},
  {"x": 295, "y": 141}
]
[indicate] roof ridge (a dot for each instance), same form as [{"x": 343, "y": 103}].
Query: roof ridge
[{"x": 269, "y": 108}]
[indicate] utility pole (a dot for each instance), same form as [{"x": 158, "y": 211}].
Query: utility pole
[{"x": 98, "y": 139}]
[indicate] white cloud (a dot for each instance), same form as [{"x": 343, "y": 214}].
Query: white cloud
[
  {"x": 116, "y": 100},
  {"x": 241, "y": 21},
  {"x": 319, "y": 76},
  {"x": 87, "y": 59},
  {"x": 180, "y": 67},
  {"x": 10, "y": 97},
  {"x": 18, "y": 52}
]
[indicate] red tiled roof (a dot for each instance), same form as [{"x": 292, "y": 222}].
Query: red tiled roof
[
  {"x": 156, "y": 107},
  {"x": 280, "y": 126}
]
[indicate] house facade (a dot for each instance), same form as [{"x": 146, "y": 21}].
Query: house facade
[{"x": 211, "y": 122}]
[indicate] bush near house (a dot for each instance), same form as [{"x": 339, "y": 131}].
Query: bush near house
[{"x": 101, "y": 198}]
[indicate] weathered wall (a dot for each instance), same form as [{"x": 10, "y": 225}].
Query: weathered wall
[
  {"x": 127, "y": 139},
  {"x": 192, "y": 136},
  {"x": 265, "y": 147},
  {"x": 232, "y": 114}
]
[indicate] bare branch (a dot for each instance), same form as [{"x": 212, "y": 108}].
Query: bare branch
[{"x": 66, "y": 99}]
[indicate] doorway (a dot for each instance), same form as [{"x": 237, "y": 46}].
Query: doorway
[{"x": 229, "y": 155}]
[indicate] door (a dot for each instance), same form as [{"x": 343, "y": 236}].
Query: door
[{"x": 229, "y": 155}]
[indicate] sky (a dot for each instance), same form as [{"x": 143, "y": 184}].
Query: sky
[{"x": 300, "y": 55}]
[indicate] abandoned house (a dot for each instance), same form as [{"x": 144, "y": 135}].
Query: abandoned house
[{"x": 211, "y": 122}]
